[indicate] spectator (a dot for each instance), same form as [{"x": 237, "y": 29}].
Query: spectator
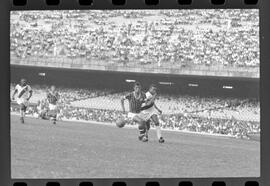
[
  {"x": 179, "y": 38},
  {"x": 186, "y": 113}
]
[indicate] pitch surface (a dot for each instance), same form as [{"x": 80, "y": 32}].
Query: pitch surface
[{"x": 40, "y": 149}]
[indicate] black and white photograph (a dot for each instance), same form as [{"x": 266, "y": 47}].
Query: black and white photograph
[{"x": 162, "y": 93}]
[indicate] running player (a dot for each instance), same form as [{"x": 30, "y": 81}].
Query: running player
[
  {"x": 136, "y": 99},
  {"x": 24, "y": 93},
  {"x": 152, "y": 111},
  {"x": 52, "y": 97}
]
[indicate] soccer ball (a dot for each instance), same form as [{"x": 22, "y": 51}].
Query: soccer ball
[{"x": 120, "y": 123}]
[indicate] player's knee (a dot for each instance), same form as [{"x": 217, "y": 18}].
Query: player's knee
[
  {"x": 156, "y": 123},
  {"x": 139, "y": 120},
  {"x": 52, "y": 114},
  {"x": 43, "y": 115},
  {"x": 155, "y": 120},
  {"x": 142, "y": 129},
  {"x": 23, "y": 107},
  {"x": 141, "y": 126}
]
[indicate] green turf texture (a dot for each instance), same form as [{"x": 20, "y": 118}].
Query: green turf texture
[{"x": 40, "y": 149}]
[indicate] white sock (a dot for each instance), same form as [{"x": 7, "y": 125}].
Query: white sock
[{"x": 158, "y": 132}]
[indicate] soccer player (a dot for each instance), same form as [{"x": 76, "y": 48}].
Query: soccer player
[
  {"x": 24, "y": 93},
  {"x": 152, "y": 111},
  {"x": 41, "y": 109},
  {"x": 52, "y": 97},
  {"x": 136, "y": 99}
]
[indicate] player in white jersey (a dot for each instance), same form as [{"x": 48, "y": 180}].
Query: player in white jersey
[
  {"x": 24, "y": 93},
  {"x": 152, "y": 111}
]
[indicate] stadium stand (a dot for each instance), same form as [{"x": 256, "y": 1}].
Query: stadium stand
[
  {"x": 171, "y": 39},
  {"x": 229, "y": 116},
  {"x": 159, "y": 39}
]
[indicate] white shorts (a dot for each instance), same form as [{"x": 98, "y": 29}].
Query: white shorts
[
  {"x": 148, "y": 113},
  {"x": 131, "y": 115},
  {"x": 52, "y": 106},
  {"x": 151, "y": 110},
  {"x": 22, "y": 101}
]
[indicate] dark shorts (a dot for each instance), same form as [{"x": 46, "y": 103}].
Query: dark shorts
[{"x": 23, "y": 107}]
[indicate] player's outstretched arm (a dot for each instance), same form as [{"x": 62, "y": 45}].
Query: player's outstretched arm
[
  {"x": 159, "y": 110},
  {"x": 30, "y": 94}
]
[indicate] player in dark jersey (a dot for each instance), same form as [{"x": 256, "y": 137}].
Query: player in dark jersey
[
  {"x": 136, "y": 99},
  {"x": 52, "y": 97}
]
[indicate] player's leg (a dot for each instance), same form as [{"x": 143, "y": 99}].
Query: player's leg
[
  {"x": 42, "y": 114},
  {"x": 146, "y": 117},
  {"x": 148, "y": 124},
  {"x": 141, "y": 127},
  {"x": 53, "y": 113},
  {"x": 21, "y": 106},
  {"x": 22, "y": 112},
  {"x": 158, "y": 129}
]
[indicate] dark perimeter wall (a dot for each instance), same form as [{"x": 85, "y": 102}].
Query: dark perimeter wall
[{"x": 168, "y": 84}]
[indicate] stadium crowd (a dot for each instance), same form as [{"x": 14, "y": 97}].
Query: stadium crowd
[
  {"x": 193, "y": 123},
  {"x": 179, "y": 114},
  {"x": 68, "y": 95},
  {"x": 207, "y": 107},
  {"x": 211, "y": 107},
  {"x": 158, "y": 38}
]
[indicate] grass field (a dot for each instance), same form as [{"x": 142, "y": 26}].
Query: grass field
[{"x": 79, "y": 150}]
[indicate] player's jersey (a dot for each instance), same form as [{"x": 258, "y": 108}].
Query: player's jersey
[
  {"x": 23, "y": 91},
  {"x": 148, "y": 96},
  {"x": 134, "y": 103},
  {"x": 52, "y": 97}
]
